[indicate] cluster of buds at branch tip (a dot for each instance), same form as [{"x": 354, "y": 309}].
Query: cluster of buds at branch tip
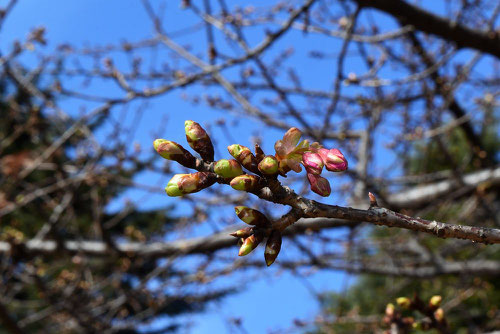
[
  {"x": 273, "y": 247},
  {"x": 182, "y": 184},
  {"x": 228, "y": 169},
  {"x": 252, "y": 236},
  {"x": 319, "y": 185},
  {"x": 269, "y": 165},
  {"x": 199, "y": 140},
  {"x": 432, "y": 316},
  {"x": 291, "y": 153},
  {"x": 172, "y": 151},
  {"x": 249, "y": 183},
  {"x": 244, "y": 156},
  {"x": 333, "y": 159}
]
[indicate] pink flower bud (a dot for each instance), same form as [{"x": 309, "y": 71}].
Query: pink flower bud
[
  {"x": 334, "y": 160},
  {"x": 319, "y": 185},
  {"x": 312, "y": 162}
]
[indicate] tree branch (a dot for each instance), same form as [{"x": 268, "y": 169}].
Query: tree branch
[{"x": 463, "y": 37}]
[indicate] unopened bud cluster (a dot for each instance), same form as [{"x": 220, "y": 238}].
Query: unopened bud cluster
[
  {"x": 291, "y": 153},
  {"x": 251, "y": 237},
  {"x": 333, "y": 160},
  {"x": 198, "y": 139},
  {"x": 432, "y": 315}
]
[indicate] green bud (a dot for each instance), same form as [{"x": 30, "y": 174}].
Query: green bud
[
  {"x": 172, "y": 187},
  {"x": 199, "y": 140},
  {"x": 273, "y": 247},
  {"x": 244, "y": 157},
  {"x": 246, "y": 183},
  {"x": 250, "y": 244},
  {"x": 404, "y": 302},
  {"x": 228, "y": 168},
  {"x": 243, "y": 233},
  {"x": 252, "y": 216},
  {"x": 435, "y": 301},
  {"x": 269, "y": 165},
  {"x": 182, "y": 184},
  {"x": 172, "y": 151}
]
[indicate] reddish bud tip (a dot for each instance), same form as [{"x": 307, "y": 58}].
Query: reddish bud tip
[{"x": 319, "y": 185}]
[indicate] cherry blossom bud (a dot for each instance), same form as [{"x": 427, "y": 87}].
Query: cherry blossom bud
[
  {"x": 243, "y": 233},
  {"x": 312, "y": 162},
  {"x": 199, "y": 140},
  {"x": 246, "y": 183},
  {"x": 172, "y": 151},
  {"x": 319, "y": 185},
  {"x": 228, "y": 168},
  {"x": 172, "y": 187},
  {"x": 273, "y": 247},
  {"x": 182, "y": 184},
  {"x": 439, "y": 315},
  {"x": 435, "y": 301},
  {"x": 389, "y": 310},
  {"x": 404, "y": 302},
  {"x": 252, "y": 216},
  {"x": 269, "y": 165},
  {"x": 333, "y": 159},
  {"x": 244, "y": 157},
  {"x": 259, "y": 154},
  {"x": 250, "y": 244}
]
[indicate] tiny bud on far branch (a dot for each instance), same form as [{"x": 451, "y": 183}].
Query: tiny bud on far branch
[
  {"x": 248, "y": 183},
  {"x": 252, "y": 216},
  {"x": 439, "y": 315},
  {"x": 273, "y": 247},
  {"x": 333, "y": 159},
  {"x": 373, "y": 200},
  {"x": 435, "y": 301},
  {"x": 404, "y": 302},
  {"x": 269, "y": 165},
  {"x": 228, "y": 168},
  {"x": 182, "y": 184},
  {"x": 319, "y": 185},
  {"x": 199, "y": 140},
  {"x": 389, "y": 310},
  {"x": 244, "y": 157},
  {"x": 172, "y": 151}
]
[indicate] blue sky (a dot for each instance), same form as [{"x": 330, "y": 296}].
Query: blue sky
[{"x": 269, "y": 303}]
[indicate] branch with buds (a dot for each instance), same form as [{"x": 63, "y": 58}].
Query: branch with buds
[
  {"x": 403, "y": 316},
  {"x": 261, "y": 179}
]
